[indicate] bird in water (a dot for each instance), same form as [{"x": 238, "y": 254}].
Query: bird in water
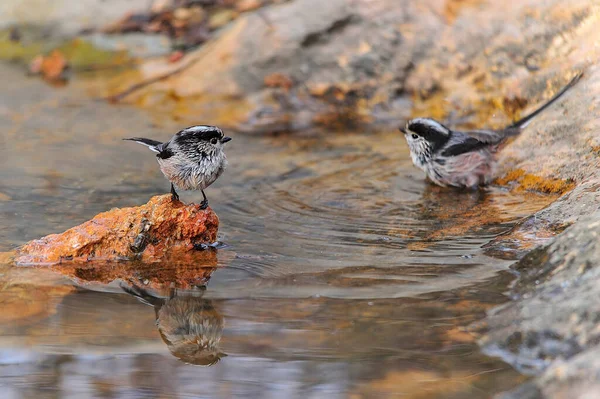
[
  {"x": 192, "y": 159},
  {"x": 464, "y": 159},
  {"x": 190, "y": 325}
]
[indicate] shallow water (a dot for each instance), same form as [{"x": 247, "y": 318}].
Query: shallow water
[{"x": 345, "y": 275}]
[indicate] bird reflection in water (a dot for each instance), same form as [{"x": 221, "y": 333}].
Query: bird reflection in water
[{"x": 189, "y": 324}]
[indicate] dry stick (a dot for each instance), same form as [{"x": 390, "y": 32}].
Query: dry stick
[
  {"x": 119, "y": 96},
  {"x": 205, "y": 49},
  {"x": 96, "y": 68}
]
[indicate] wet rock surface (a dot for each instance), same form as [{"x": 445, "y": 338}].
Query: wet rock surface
[
  {"x": 152, "y": 232},
  {"x": 367, "y": 63},
  {"x": 551, "y": 328}
]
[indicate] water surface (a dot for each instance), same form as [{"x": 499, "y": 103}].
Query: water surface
[{"x": 345, "y": 275}]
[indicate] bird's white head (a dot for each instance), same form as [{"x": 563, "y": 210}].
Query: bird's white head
[{"x": 424, "y": 136}]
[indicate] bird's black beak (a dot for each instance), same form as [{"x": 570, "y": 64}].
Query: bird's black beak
[
  {"x": 403, "y": 130},
  {"x": 225, "y": 139}
]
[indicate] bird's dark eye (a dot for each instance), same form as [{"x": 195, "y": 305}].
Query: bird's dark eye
[
  {"x": 414, "y": 136},
  {"x": 214, "y": 140}
]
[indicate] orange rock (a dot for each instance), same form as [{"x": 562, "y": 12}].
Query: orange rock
[
  {"x": 176, "y": 56},
  {"x": 152, "y": 232},
  {"x": 182, "y": 271},
  {"x": 54, "y": 65}
]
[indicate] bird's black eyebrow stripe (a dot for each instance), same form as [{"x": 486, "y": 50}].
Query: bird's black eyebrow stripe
[
  {"x": 165, "y": 154},
  {"x": 193, "y": 137},
  {"x": 470, "y": 144},
  {"x": 425, "y": 131},
  {"x": 434, "y": 136}
]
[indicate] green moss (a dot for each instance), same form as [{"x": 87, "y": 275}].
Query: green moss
[
  {"x": 81, "y": 54},
  {"x": 18, "y": 51},
  {"x": 78, "y": 52}
]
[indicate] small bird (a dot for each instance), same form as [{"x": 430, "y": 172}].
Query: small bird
[
  {"x": 190, "y": 325},
  {"x": 192, "y": 160},
  {"x": 464, "y": 159}
]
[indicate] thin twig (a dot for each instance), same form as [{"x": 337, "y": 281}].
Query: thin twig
[
  {"x": 121, "y": 95},
  {"x": 205, "y": 49}
]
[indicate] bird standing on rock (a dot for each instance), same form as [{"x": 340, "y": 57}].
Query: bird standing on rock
[
  {"x": 192, "y": 159},
  {"x": 462, "y": 159}
]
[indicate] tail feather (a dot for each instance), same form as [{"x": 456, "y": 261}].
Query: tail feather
[
  {"x": 152, "y": 144},
  {"x": 142, "y": 295},
  {"x": 525, "y": 121}
]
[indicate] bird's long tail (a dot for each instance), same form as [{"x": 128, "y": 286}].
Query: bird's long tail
[
  {"x": 152, "y": 144},
  {"x": 521, "y": 123},
  {"x": 142, "y": 295}
]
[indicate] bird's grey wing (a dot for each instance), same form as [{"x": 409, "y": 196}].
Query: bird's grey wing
[
  {"x": 492, "y": 136},
  {"x": 461, "y": 143},
  {"x": 472, "y": 140}
]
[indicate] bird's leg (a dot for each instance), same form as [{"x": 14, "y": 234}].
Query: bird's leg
[
  {"x": 174, "y": 195},
  {"x": 204, "y": 203}
]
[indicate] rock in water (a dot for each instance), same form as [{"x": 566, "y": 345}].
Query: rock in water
[{"x": 150, "y": 233}]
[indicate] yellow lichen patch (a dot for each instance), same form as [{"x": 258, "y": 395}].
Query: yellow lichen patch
[
  {"x": 82, "y": 54},
  {"x": 7, "y": 257},
  {"x": 224, "y": 111},
  {"x": 79, "y": 53},
  {"x": 528, "y": 182},
  {"x": 17, "y": 51},
  {"x": 454, "y": 7},
  {"x": 511, "y": 176},
  {"x": 432, "y": 106}
]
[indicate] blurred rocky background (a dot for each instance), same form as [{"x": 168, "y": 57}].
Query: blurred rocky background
[
  {"x": 278, "y": 66},
  {"x": 281, "y": 67}
]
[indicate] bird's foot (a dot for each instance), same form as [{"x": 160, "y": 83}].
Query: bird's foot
[
  {"x": 203, "y": 246},
  {"x": 174, "y": 195},
  {"x": 204, "y": 204}
]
